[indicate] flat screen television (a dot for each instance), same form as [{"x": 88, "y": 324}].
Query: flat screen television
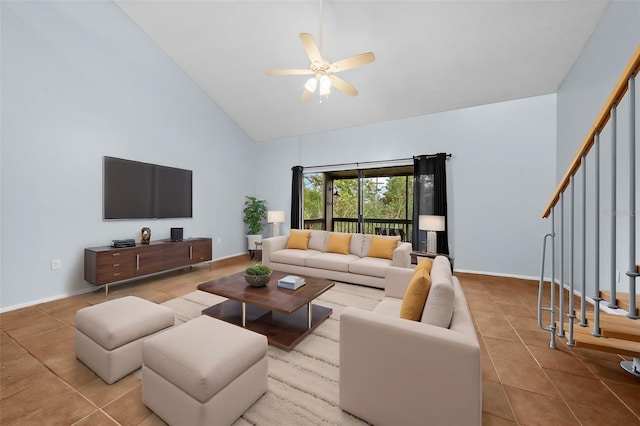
[{"x": 136, "y": 190}]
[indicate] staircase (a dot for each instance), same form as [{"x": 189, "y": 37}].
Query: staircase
[
  {"x": 618, "y": 335},
  {"x": 594, "y": 318}
]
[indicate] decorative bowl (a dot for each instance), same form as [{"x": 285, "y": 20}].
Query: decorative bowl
[{"x": 257, "y": 280}]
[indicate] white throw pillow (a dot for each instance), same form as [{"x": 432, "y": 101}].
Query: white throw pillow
[
  {"x": 318, "y": 240},
  {"x": 438, "y": 309},
  {"x": 357, "y": 240}
]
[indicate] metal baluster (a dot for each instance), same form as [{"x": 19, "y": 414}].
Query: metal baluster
[
  {"x": 583, "y": 291},
  {"x": 613, "y": 300},
  {"x": 572, "y": 314},
  {"x": 552, "y": 325},
  {"x": 597, "y": 298},
  {"x": 632, "y": 273},
  {"x": 561, "y": 316},
  {"x": 551, "y": 328}
]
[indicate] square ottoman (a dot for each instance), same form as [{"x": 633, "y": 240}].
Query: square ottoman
[
  {"x": 203, "y": 372},
  {"x": 108, "y": 336}
]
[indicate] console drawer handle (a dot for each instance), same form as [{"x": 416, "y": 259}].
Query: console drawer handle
[
  {"x": 115, "y": 265},
  {"x": 115, "y": 254},
  {"x": 116, "y": 274}
]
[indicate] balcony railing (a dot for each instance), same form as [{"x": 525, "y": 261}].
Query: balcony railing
[{"x": 402, "y": 227}]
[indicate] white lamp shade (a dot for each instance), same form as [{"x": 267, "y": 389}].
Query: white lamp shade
[
  {"x": 431, "y": 223},
  {"x": 276, "y": 216}
]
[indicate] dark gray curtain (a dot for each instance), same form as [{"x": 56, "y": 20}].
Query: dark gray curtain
[
  {"x": 430, "y": 197},
  {"x": 296, "y": 198}
]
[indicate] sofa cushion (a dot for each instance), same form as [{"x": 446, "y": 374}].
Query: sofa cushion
[
  {"x": 338, "y": 242},
  {"x": 298, "y": 239},
  {"x": 357, "y": 241},
  {"x": 416, "y": 295},
  {"x": 292, "y": 256},
  {"x": 442, "y": 267},
  {"x": 318, "y": 240},
  {"x": 371, "y": 266},
  {"x": 389, "y": 306},
  {"x": 438, "y": 308},
  {"x": 382, "y": 247},
  {"x": 331, "y": 261}
]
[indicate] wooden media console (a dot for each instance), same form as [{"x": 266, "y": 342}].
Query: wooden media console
[{"x": 106, "y": 265}]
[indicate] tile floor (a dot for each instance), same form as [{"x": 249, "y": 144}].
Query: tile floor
[{"x": 524, "y": 381}]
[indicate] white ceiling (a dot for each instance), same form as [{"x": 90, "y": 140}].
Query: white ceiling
[{"x": 431, "y": 56}]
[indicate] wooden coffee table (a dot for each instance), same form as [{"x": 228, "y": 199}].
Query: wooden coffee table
[{"x": 270, "y": 310}]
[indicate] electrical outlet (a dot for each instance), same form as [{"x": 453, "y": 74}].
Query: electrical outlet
[
  {"x": 56, "y": 264},
  {"x": 617, "y": 276},
  {"x": 219, "y": 241}
]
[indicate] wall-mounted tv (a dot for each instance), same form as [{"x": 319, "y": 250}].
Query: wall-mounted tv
[{"x": 136, "y": 190}]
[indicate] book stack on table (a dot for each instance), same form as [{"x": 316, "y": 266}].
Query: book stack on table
[{"x": 291, "y": 282}]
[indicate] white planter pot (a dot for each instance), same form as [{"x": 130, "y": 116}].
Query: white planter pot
[{"x": 251, "y": 241}]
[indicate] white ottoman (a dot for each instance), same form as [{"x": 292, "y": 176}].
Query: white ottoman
[
  {"x": 108, "y": 336},
  {"x": 203, "y": 372}
]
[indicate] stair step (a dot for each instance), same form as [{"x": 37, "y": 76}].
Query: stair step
[
  {"x": 615, "y": 326},
  {"x": 622, "y": 299},
  {"x": 584, "y": 339}
]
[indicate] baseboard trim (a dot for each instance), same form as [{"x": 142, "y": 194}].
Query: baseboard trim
[
  {"x": 497, "y": 274},
  {"x": 49, "y": 299},
  {"x": 90, "y": 287}
]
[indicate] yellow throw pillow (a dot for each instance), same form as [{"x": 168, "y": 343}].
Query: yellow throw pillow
[
  {"x": 382, "y": 247},
  {"x": 425, "y": 264},
  {"x": 415, "y": 296},
  {"x": 298, "y": 239},
  {"x": 338, "y": 243}
]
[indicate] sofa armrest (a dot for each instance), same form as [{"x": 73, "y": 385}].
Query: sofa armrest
[
  {"x": 269, "y": 245},
  {"x": 402, "y": 256},
  {"x": 395, "y": 371},
  {"x": 396, "y": 281}
]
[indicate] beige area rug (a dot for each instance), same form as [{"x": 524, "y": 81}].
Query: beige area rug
[{"x": 303, "y": 383}]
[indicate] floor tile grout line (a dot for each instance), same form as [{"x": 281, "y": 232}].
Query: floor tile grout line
[
  {"x": 545, "y": 373},
  {"x": 494, "y": 368},
  {"x": 620, "y": 399},
  {"x": 596, "y": 376},
  {"x": 477, "y": 283},
  {"x": 536, "y": 361}
]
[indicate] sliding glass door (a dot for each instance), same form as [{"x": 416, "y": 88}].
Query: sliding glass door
[{"x": 371, "y": 201}]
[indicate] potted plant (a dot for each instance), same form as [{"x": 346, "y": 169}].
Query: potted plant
[
  {"x": 255, "y": 214},
  {"x": 257, "y": 275}
]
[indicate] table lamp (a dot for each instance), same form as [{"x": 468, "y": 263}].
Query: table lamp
[
  {"x": 431, "y": 224},
  {"x": 275, "y": 218}
]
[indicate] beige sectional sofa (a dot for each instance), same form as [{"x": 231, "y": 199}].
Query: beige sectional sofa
[
  {"x": 355, "y": 267},
  {"x": 397, "y": 371}
]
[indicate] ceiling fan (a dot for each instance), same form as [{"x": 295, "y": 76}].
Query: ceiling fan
[{"x": 324, "y": 71}]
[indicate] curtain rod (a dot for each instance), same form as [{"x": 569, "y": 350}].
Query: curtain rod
[{"x": 357, "y": 164}]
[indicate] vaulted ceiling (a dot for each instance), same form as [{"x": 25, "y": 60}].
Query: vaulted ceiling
[{"x": 431, "y": 56}]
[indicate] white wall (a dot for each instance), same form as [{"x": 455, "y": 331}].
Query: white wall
[
  {"x": 81, "y": 81},
  {"x": 499, "y": 177},
  {"x": 580, "y": 99}
]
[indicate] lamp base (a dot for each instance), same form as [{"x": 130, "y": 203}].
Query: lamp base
[
  {"x": 275, "y": 229},
  {"x": 432, "y": 242}
]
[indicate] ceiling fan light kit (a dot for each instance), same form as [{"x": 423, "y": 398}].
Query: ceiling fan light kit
[{"x": 324, "y": 71}]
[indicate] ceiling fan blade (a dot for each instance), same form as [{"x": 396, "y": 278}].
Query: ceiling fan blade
[
  {"x": 288, "y": 72},
  {"x": 353, "y": 61},
  {"x": 305, "y": 95},
  {"x": 311, "y": 48},
  {"x": 342, "y": 85}
]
